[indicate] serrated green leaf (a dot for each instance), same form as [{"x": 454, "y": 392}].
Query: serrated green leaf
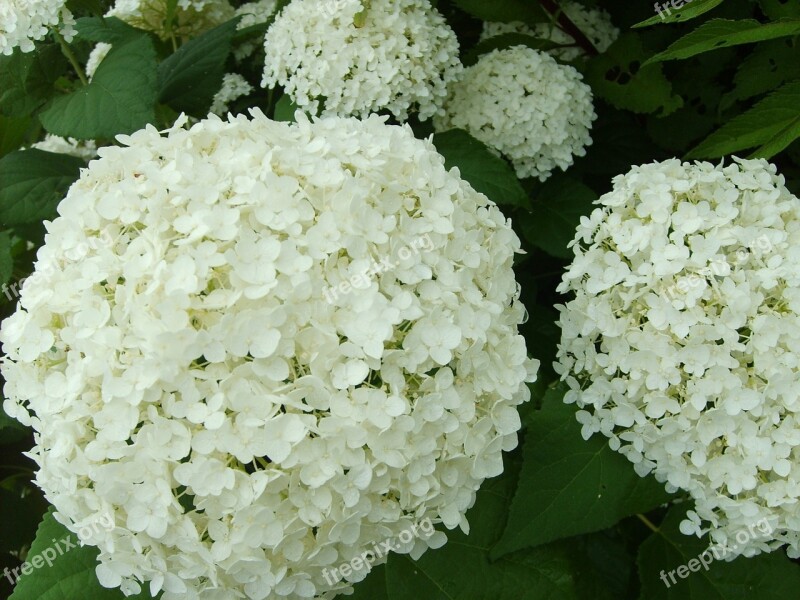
[
  {"x": 618, "y": 77},
  {"x": 690, "y": 10},
  {"x": 32, "y": 183},
  {"x": 69, "y": 574},
  {"x": 119, "y": 99},
  {"x": 188, "y": 79},
  {"x": 722, "y": 33},
  {"x": 503, "y": 41},
  {"x": 27, "y": 78},
  {"x": 770, "y": 65},
  {"x": 503, "y": 11},
  {"x": 778, "y": 9},
  {"x": 555, "y": 214},
  {"x": 486, "y": 172},
  {"x": 766, "y": 576},
  {"x": 110, "y": 30},
  {"x": 773, "y": 124},
  {"x": 569, "y": 485}
]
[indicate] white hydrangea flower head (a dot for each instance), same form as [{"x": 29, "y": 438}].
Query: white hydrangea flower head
[
  {"x": 593, "y": 22},
  {"x": 234, "y": 86},
  {"x": 85, "y": 149},
  {"x": 23, "y": 22},
  {"x": 192, "y": 17},
  {"x": 682, "y": 341},
  {"x": 208, "y": 355},
  {"x": 522, "y": 103},
  {"x": 253, "y": 13},
  {"x": 96, "y": 56},
  {"x": 399, "y": 59}
]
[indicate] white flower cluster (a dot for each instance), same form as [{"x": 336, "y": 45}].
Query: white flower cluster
[
  {"x": 23, "y": 22},
  {"x": 184, "y": 372},
  {"x": 234, "y": 86},
  {"x": 85, "y": 149},
  {"x": 524, "y": 104},
  {"x": 594, "y": 23},
  {"x": 96, "y": 56},
  {"x": 191, "y": 17},
  {"x": 399, "y": 59},
  {"x": 682, "y": 343}
]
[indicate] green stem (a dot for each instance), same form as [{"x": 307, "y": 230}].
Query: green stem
[
  {"x": 647, "y": 522},
  {"x": 70, "y": 57}
]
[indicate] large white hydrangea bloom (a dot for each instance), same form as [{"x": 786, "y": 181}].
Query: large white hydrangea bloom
[
  {"x": 524, "y": 104},
  {"x": 210, "y": 356},
  {"x": 682, "y": 342},
  {"x": 594, "y": 23},
  {"x": 400, "y": 58},
  {"x": 23, "y": 22}
]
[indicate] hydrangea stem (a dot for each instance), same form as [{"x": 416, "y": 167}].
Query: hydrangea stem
[
  {"x": 569, "y": 27},
  {"x": 647, "y": 522},
  {"x": 67, "y": 51}
]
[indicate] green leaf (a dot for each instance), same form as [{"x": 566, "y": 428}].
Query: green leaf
[
  {"x": 373, "y": 587},
  {"x": 503, "y": 11},
  {"x": 618, "y": 77},
  {"x": 65, "y": 569},
  {"x": 766, "y": 576},
  {"x": 569, "y": 485},
  {"x": 6, "y": 257},
  {"x": 20, "y": 530},
  {"x": 188, "y": 79},
  {"x": 107, "y": 29},
  {"x": 770, "y": 65},
  {"x": 120, "y": 98},
  {"x": 773, "y": 124},
  {"x": 486, "y": 172},
  {"x": 503, "y": 41},
  {"x": 284, "y": 109},
  {"x": 32, "y": 183},
  {"x": 26, "y": 79},
  {"x": 555, "y": 214},
  {"x": 721, "y": 33},
  {"x": 12, "y": 133},
  {"x": 778, "y": 9},
  {"x": 690, "y": 10}
]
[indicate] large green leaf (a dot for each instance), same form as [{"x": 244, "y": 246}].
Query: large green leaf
[
  {"x": 777, "y": 9},
  {"x": 555, "y": 214},
  {"x": 188, "y": 79},
  {"x": 618, "y": 77},
  {"x": 721, "y": 33},
  {"x": 120, "y": 98},
  {"x": 6, "y": 257},
  {"x": 770, "y": 65},
  {"x": 486, "y": 172},
  {"x": 285, "y": 109},
  {"x": 32, "y": 183},
  {"x": 772, "y": 124},
  {"x": 59, "y": 568},
  {"x": 569, "y": 485},
  {"x": 503, "y": 11},
  {"x": 107, "y": 29},
  {"x": 688, "y": 11},
  {"x": 12, "y": 133},
  {"x": 766, "y": 576},
  {"x": 27, "y": 78}
]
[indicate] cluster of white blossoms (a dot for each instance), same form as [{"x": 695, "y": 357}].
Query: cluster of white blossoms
[
  {"x": 23, "y": 22},
  {"x": 234, "y": 86},
  {"x": 336, "y": 57},
  {"x": 185, "y": 374},
  {"x": 524, "y": 104},
  {"x": 191, "y": 17},
  {"x": 85, "y": 149},
  {"x": 252, "y": 13},
  {"x": 682, "y": 342},
  {"x": 96, "y": 56},
  {"x": 594, "y": 23}
]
